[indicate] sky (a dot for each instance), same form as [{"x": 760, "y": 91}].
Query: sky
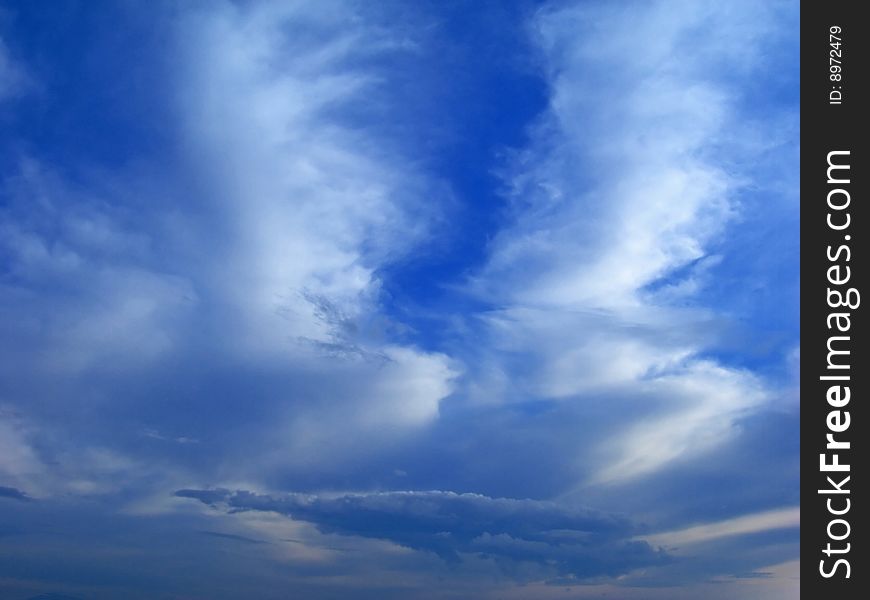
[{"x": 412, "y": 300}]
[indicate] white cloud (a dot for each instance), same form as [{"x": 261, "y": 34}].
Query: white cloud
[
  {"x": 753, "y": 523},
  {"x": 18, "y": 460},
  {"x": 38, "y": 459},
  {"x": 617, "y": 207},
  {"x": 236, "y": 282},
  {"x": 309, "y": 203},
  {"x": 81, "y": 286},
  {"x": 360, "y": 407},
  {"x": 259, "y": 245},
  {"x": 310, "y": 208}
]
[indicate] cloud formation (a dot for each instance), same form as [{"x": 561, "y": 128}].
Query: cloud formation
[
  {"x": 238, "y": 259},
  {"x": 14, "y": 80},
  {"x": 13, "y": 493},
  {"x": 598, "y": 281},
  {"x": 571, "y": 542},
  {"x": 759, "y": 522},
  {"x": 259, "y": 247}
]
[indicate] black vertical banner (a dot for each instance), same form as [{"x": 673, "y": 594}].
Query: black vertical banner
[{"x": 835, "y": 377}]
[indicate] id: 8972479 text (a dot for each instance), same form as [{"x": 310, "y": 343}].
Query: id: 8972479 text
[{"x": 835, "y": 65}]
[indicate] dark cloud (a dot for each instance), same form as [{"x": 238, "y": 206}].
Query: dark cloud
[
  {"x": 572, "y": 541},
  {"x": 210, "y": 497},
  {"x": 13, "y": 493},
  {"x": 232, "y": 536}
]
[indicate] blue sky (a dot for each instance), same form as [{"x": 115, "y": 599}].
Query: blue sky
[{"x": 399, "y": 300}]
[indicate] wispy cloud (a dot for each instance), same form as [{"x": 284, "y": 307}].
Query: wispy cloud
[
  {"x": 620, "y": 206},
  {"x": 754, "y": 523},
  {"x": 210, "y": 308},
  {"x": 260, "y": 247},
  {"x": 14, "y": 79}
]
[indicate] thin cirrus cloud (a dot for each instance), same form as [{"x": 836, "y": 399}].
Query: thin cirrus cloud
[
  {"x": 754, "y": 523},
  {"x": 224, "y": 313}
]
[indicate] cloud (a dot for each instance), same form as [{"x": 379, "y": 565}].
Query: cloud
[
  {"x": 232, "y": 536},
  {"x": 19, "y": 461},
  {"x": 13, "y": 493},
  {"x": 212, "y": 307},
  {"x": 259, "y": 246},
  {"x": 81, "y": 285},
  {"x": 619, "y": 212},
  {"x": 294, "y": 206},
  {"x": 754, "y": 523},
  {"x": 310, "y": 207},
  {"x": 577, "y": 542},
  {"x": 14, "y": 80},
  {"x": 35, "y": 457}
]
